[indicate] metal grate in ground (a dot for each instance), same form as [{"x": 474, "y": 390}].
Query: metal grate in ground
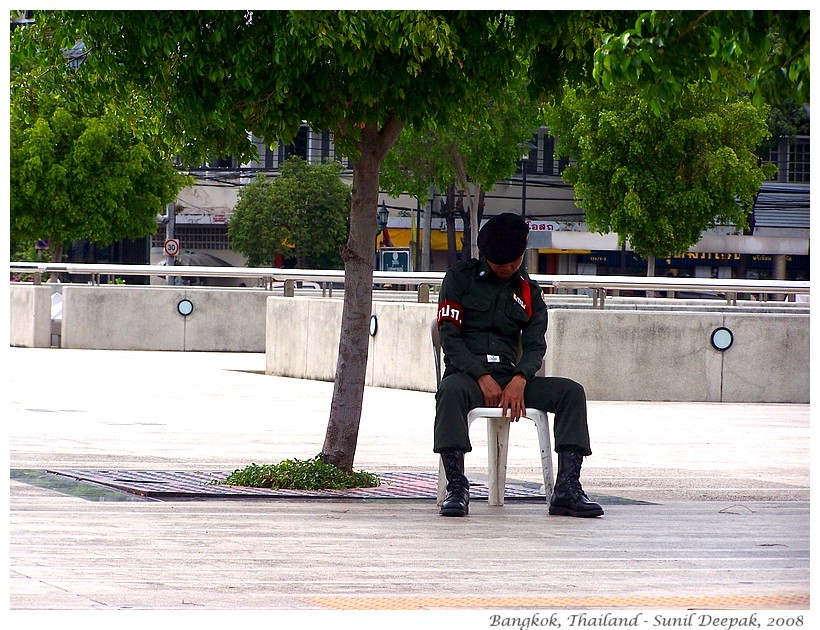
[{"x": 174, "y": 484}]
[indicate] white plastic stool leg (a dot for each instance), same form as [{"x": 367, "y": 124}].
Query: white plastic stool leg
[
  {"x": 498, "y": 440},
  {"x": 543, "y": 428}
]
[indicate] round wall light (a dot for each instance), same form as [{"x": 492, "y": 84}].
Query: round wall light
[
  {"x": 374, "y": 325},
  {"x": 185, "y": 307},
  {"x": 722, "y": 339}
]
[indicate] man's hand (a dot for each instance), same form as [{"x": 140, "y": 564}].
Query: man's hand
[
  {"x": 512, "y": 398},
  {"x": 491, "y": 390}
]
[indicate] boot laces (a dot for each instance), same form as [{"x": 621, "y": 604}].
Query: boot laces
[{"x": 575, "y": 489}]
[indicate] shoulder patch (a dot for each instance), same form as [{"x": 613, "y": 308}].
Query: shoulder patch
[
  {"x": 526, "y": 296},
  {"x": 449, "y": 311}
]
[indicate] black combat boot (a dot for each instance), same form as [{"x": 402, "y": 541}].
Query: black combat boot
[
  {"x": 457, "y": 501},
  {"x": 569, "y": 498}
]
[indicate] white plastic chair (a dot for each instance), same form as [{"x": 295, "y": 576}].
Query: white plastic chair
[{"x": 498, "y": 434}]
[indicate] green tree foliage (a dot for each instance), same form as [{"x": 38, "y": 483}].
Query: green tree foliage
[
  {"x": 78, "y": 177},
  {"x": 474, "y": 157},
  {"x": 77, "y": 169},
  {"x": 660, "y": 180},
  {"x": 302, "y": 213},
  {"x": 762, "y": 53}
]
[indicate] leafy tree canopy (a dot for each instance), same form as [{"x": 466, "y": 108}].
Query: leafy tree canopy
[
  {"x": 301, "y": 213},
  {"x": 486, "y": 151},
  {"x": 77, "y": 169},
  {"x": 219, "y": 74},
  {"x": 762, "y": 53},
  {"x": 660, "y": 180}
]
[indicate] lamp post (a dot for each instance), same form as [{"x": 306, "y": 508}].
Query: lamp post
[
  {"x": 382, "y": 216},
  {"x": 381, "y": 221},
  {"x": 525, "y": 147},
  {"x": 531, "y": 258}
]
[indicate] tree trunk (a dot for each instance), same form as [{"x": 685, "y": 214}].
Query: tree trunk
[
  {"x": 428, "y": 226},
  {"x": 650, "y": 272},
  {"x": 472, "y": 222},
  {"x": 449, "y": 211},
  {"x": 358, "y": 254},
  {"x": 56, "y": 257},
  {"x": 473, "y": 192}
]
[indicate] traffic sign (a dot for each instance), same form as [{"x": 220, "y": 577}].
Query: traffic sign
[{"x": 171, "y": 247}]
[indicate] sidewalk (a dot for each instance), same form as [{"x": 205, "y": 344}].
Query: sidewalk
[{"x": 707, "y": 505}]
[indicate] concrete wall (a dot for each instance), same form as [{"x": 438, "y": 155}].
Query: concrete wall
[
  {"x": 30, "y": 315},
  {"x": 644, "y": 355},
  {"x": 302, "y": 337},
  {"x": 303, "y": 342},
  {"x": 616, "y": 355},
  {"x": 146, "y": 318},
  {"x": 401, "y": 350}
]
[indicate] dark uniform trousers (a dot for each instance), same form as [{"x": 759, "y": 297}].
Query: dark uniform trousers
[{"x": 458, "y": 393}]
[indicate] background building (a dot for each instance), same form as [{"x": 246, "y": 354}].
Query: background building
[{"x": 776, "y": 246}]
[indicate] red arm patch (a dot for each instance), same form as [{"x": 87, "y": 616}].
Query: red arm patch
[
  {"x": 526, "y": 294},
  {"x": 450, "y": 312}
]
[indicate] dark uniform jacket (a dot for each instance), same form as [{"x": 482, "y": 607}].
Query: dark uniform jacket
[{"x": 481, "y": 320}]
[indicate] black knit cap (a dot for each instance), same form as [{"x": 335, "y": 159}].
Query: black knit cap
[{"x": 503, "y": 238}]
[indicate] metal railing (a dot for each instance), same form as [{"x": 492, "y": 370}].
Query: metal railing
[{"x": 600, "y": 286}]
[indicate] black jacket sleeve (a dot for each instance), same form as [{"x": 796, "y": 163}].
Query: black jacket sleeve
[{"x": 455, "y": 349}]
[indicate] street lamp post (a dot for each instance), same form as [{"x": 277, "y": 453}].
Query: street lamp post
[
  {"x": 382, "y": 215},
  {"x": 531, "y": 261},
  {"x": 525, "y": 147}
]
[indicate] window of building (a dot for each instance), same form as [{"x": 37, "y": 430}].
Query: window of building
[
  {"x": 225, "y": 162},
  {"x": 299, "y": 146},
  {"x": 552, "y": 164},
  {"x": 799, "y": 160},
  {"x": 792, "y": 159}
]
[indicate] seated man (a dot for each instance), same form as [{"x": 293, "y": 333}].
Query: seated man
[{"x": 486, "y": 306}]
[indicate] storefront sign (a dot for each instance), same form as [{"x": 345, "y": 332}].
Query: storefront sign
[
  {"x": 543, "y": 226},
  {"x": 395, "y": 259}
]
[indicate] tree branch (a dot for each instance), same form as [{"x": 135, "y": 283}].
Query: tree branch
[
  {"x": 388, "y": 135},
  {"x": 699, "y": 19}
]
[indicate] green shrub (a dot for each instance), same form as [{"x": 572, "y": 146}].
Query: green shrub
[{"x": 296, "y": 474}]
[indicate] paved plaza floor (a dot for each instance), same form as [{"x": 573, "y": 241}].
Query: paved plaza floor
[{"x": 707, "y": 505}]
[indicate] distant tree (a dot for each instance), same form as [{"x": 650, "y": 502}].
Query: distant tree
[
  {"x": 77, "y": 177},
  {"x": 78, "y": 170},
  {"x": 474, "y": 155},
  {"x": 301, "y": 213},
  {"x": 659, "y": 180}
]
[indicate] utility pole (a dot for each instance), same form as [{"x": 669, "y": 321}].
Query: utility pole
[
  {"x": 170, "y": 261},
  {"x": 428, "y": 226}
]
